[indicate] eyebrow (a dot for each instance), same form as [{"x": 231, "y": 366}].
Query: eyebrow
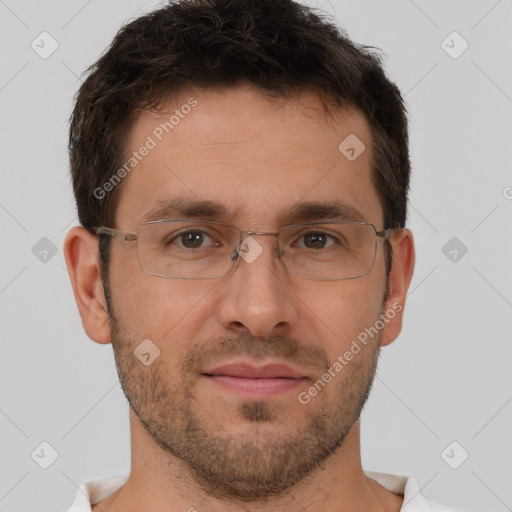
[{"x": 181, "y": 207}]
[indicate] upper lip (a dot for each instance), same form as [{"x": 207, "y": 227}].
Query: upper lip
[{"x": 252, "y": 372}]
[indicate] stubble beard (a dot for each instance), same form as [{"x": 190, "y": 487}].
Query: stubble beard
[{"x": 238, "y": 466}]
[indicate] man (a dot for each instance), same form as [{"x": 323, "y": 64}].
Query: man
[{"x": 241, "y": 172}]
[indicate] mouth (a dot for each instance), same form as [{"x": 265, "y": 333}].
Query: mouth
[{"x": 253, "y": 382}]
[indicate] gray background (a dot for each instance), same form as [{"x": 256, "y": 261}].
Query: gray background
[{"x": 448, "y": 376}]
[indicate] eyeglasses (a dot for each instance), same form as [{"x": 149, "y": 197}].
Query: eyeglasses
[{"x": 202, "y": 249}]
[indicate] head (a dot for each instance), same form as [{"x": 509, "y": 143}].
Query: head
[{"x": 246, "y": 104}]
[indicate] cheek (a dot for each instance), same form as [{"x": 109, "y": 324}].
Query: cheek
[
  {"x": 342, "y": 311},
  {"x": 163, "y": 310}
]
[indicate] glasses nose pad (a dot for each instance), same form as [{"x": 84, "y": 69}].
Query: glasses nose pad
[{"x": 234, "y": 256}]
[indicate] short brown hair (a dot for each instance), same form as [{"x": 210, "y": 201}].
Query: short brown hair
[{"x": 279, "y": 46}]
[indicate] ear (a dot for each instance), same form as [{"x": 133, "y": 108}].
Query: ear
[
  {"x": 81, "y": 254},
  {"x": 400, "y": 276}
]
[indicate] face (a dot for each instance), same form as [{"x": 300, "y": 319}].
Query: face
[{"x": 259, "y": 157}]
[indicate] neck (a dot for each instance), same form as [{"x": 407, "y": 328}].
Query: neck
[{"x": 159, "y": 479}]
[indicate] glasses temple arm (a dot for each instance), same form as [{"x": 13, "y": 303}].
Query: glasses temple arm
[
  {"x": 386, "y": 233},
  {"x": 122, "y": 235}
]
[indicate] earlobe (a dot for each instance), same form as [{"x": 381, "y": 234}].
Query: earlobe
[
  {"x": 81, "y": 254},
  {"x": 399, "y": 280}
]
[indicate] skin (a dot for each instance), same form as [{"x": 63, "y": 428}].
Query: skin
[{"x": 196, "y": 445}]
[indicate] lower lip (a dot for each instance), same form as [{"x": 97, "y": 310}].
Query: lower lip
[{"x": 256, "y": 388}]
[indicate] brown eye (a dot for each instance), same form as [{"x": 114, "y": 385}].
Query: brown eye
[{"x": 315, "y": 239}]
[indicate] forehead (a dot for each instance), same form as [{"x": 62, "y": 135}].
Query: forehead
[{"x": 255, "y": 158}]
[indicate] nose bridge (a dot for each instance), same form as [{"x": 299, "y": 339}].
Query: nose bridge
[
  {"x": 255, "y": 297},
  {"x": 255, "y": 249}
]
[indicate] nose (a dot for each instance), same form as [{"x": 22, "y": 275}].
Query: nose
[{"x": 257, "y": 294}]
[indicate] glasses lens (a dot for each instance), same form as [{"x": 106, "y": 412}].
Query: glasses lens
[
  {"x": 186, "y": 248},
  {"x": 202, "y": 249},
  {"x": 328, "y": 251}
]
